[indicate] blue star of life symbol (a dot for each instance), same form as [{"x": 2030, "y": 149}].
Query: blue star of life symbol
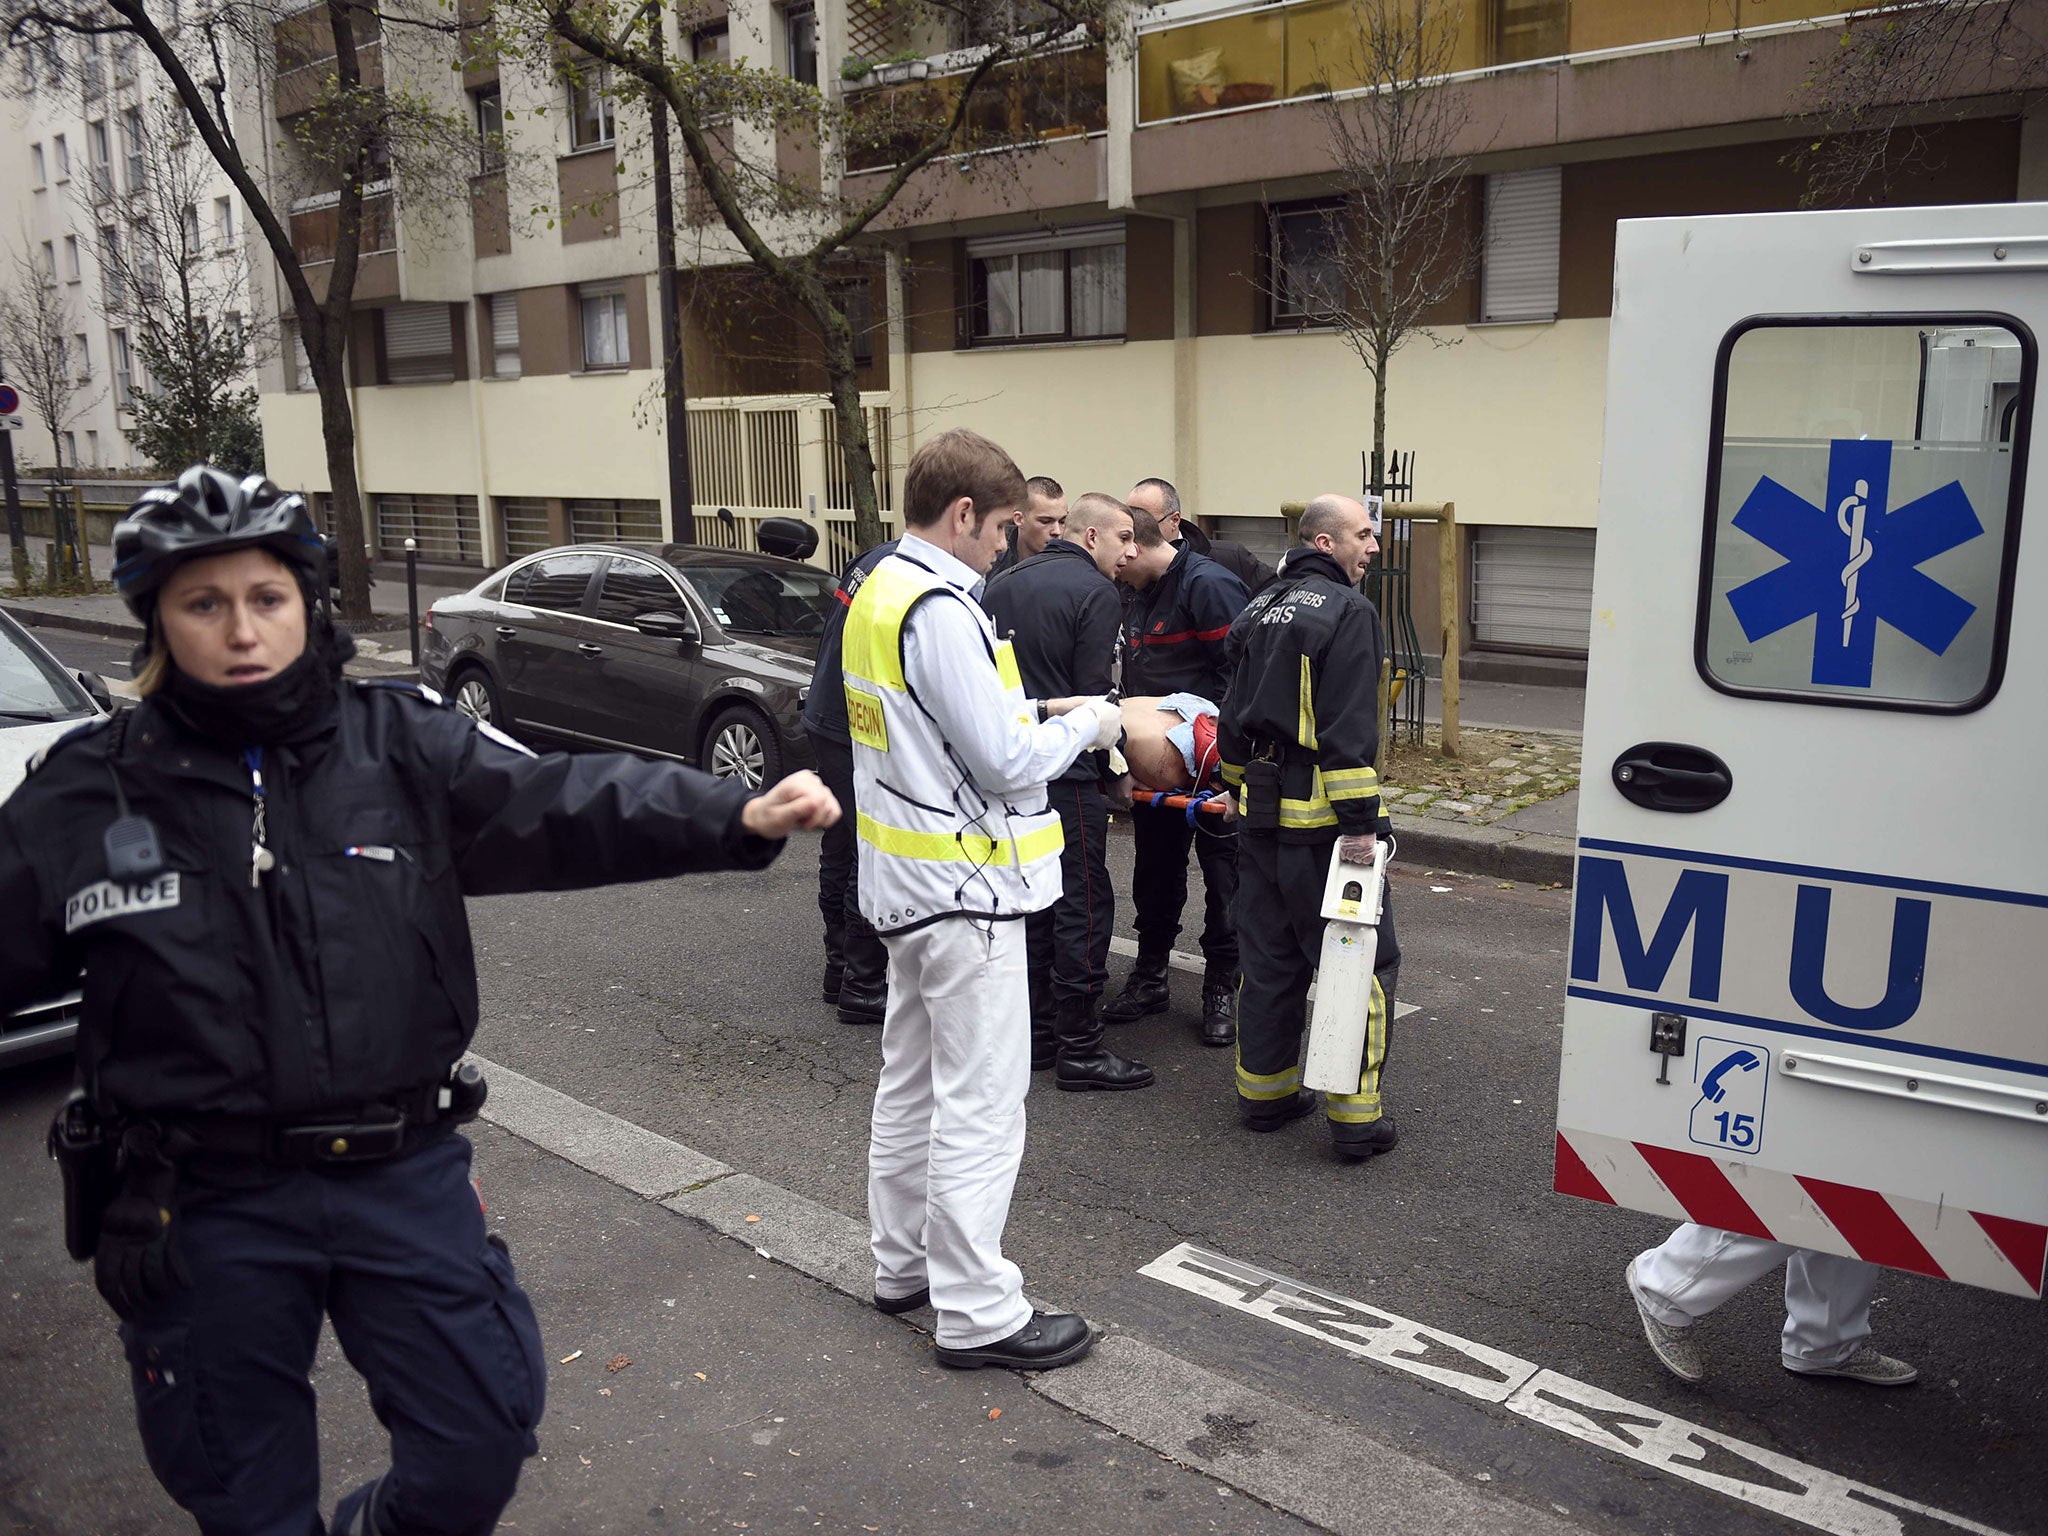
[{"x": 1850, "y": 563}]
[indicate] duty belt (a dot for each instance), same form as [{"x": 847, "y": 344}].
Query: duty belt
[{"x": 374, "y": 1134}]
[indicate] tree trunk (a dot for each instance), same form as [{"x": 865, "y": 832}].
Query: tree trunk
[
  {"x": 1379, "y": 421},
  {"x": 854, "y": 452},
  {"x": 344, "y": 501}
]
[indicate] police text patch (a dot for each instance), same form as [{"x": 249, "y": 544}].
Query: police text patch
[{"x": 98, "y": 902}]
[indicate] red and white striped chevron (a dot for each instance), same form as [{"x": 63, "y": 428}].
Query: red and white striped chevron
[{"x": 1971, "y": 1247}]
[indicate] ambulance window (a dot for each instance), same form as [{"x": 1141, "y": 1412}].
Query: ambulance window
[{"x": 1863, "y": 509}]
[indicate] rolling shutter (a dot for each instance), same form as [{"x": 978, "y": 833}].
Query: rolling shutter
[
  {"x": 1532, "y": 587},
  {"x": 505, "y": 335},
  {"x": 419, "y": 343},
  {"x": 1518, "y": 278}
]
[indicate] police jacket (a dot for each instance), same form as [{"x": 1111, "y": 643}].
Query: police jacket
[
  {"x": 825, "y": 705},
  {"x": 1064, "y": 619},
  {"x": 1305, "y": 693},
  {"x": 345, "y": 977},
  {"x": 1174, "y": 629}
]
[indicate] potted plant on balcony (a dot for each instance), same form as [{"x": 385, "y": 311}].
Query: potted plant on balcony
[
  {"x": 899, "y": 67},
  {"x": 857, "y": 72}
]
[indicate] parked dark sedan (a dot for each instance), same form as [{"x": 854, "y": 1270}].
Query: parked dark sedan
[{"x": 703, "y": 655}]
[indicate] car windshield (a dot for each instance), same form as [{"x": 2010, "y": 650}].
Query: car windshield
[
  {"x": 33, "y": 688},
  {"x": 764, "y": 600}
]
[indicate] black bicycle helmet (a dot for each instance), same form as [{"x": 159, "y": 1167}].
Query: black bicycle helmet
[{"x": 207, "y": 511}]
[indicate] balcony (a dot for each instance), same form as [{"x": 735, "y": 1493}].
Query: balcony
[
  {"x": 1276, "y": 53},
  {"x": 314, "y": 228},
  {"x": 1049, "y": 96},
  {"x": 304, "y": 44}
]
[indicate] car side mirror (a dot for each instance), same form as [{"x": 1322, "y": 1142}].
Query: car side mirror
[
  {"x": 667, "y": 626},
  {"x": 96, "y": 687}
]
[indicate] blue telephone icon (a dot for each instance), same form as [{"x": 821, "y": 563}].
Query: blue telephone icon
[{"x": 1742, "y": 1061}]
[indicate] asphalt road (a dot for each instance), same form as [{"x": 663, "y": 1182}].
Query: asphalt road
[{"x": 692, "y": 1007}]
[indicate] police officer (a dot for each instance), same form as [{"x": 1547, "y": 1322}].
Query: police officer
[
  {"x": 1175, "y": 623},
  {"x": 260, "y": 872},
  {"x": 1061, "y": 611},
  {"x": 957, "y": 844},
  {"x": 1041, "y": 519},
  {"x": 856, "y": 965},
  {"x": 1299, "y": 732}
]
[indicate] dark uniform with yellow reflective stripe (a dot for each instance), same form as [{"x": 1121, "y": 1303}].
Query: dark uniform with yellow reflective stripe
[{"x": 1298, "y": 735}]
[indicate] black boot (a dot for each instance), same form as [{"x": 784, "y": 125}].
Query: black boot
[
  {"x": 835, "y": 962},
  {"x": 1356, "y": 1143},
  {"x": 1219, "y": 1014},
  {"x": 1270, "y": 1115},
  {"x": 1144, "y": 992},
  {"x": 1084, "y": 1065},
  {"x": 864, "y": 989}
]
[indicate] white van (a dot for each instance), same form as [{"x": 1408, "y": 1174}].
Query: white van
[{"x": 1809, "y": 963}]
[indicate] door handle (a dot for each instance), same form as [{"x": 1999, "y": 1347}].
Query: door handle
[
  {"x": 507, "y": 631},
  {"x": 1670, "y": 776},
  {"x": 590, "y": 650}
]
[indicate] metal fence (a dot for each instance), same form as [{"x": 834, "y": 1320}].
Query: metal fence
[
  {"x": 1390, "y": 585},
  {"x": 525, "y": 523},
  {"x": 615, "y": 521},
  {"x": 448, "y": 530}
]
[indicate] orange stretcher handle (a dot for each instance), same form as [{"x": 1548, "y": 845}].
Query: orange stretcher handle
[{"x": 1167, "y": 800}]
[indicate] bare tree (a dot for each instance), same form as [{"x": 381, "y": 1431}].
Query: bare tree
[
  {"x": 183, "y": 303},
  {"x": 359, "y": 135},
  {"x": 807, "y": 231},
  {"x": 1397, "y": 241},
  {"x": 1895, "y": 71},
  {"x": 37, "y": 323}
]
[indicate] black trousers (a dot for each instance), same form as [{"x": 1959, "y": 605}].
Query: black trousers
[
  {"x": 1066, "y": 946},
  {"x": 1159, "y": 884},
  {"x": 1280, "y": 925},
  {"x": 847, "y": 933}
]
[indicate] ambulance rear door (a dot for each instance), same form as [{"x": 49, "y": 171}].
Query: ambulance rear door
[{"x": 1808, "y": 989}]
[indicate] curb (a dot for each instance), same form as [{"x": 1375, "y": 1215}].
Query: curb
[
  {"x": 38, "y": 618},
  {"x": 1539, "y": 857}
]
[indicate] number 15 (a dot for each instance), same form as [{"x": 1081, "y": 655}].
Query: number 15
[{"x": 1737, "y": 1130}]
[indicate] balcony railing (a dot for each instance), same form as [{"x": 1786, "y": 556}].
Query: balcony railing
[
  {"x": 1246, "y": 58},
  {"x": 1047, "y": 96}
]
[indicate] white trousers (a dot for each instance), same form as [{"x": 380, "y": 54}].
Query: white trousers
[
  {"x": 948, "y": 1127},
  {"x": 1827, "y": 1298}
]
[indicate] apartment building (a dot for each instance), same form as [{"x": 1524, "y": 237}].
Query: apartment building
[
  {"x": 1139, "y": 297},
  {"x": 73, "y": 193}
]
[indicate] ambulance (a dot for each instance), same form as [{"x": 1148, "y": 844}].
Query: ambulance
[{"x": 1808, "y": 993}]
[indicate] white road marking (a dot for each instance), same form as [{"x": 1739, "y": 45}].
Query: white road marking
[
  {"x": 1810, "y": 1495},
  {"x": 1195, "y": 965}
]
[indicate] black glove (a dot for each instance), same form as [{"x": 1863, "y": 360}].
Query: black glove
[{"x": 136, "y": 1265}]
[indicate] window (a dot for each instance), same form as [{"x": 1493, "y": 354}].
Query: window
[
  {"x": 602, "y": 520},
  {"x": 92, "y": 448},
  {"x": 590, "y": 106},
  {"x": 63, "y": 157},
  {"x": 81, "y": 351},
  {"x": 1862, "y": 511},
  {"x": 419, "y": 344},
  {"x": 102, "y": 160},
  {"x": 1065, "y": 286},
  {"x": 301, "y": 377},
  {"x": 858, "y": 300},
  {"x": 224, "y": 220},
  {"x": 1304, "y": 267},
  {"x": 46, "y": 263},
  {"x": 761, "y": 600},
  {"x": 71, "y": 267},
  {"x": 800, "y": 37},
  {"x": 131, "y": 146},
  {"x": 233, "y": 321},
  {"x": 504, "y": 335},
  {"x": 110, "y": 265},
  {"x": 35, "y": 165},
  {"x": 71, "y": 448},
  {"x": 605, "y": 343},
  {"x": 192, "y": 240},
  {"x": 1518, "y": 273},
  {"x": 124, "y": 370},
  {"x": 711, "y": 45},
  {"x": 525, "y": 521},
  {"x": 556, "y": 583},
  {"x": 633, "y": 587},
  {"x": 490, "y": 129}
]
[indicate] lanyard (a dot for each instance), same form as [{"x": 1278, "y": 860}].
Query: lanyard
[{"x": 261, "y": 859}]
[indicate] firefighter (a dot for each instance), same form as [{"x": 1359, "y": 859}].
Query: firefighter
[
  {"x": 1060, "y": 609},
  {"x": 1299, "y": 732},
  {"x": 260, "y": 872},
  {"x": 1175, "y": 622},
  {"x": 1041, "y": 519},
  {"x": 856, "y": 965},
  {"x": 957, "y": 845}
]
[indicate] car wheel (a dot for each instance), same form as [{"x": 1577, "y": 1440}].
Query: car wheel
[
  {"x": 475, "y": 696},
  {"x": 741, "y": 745}
]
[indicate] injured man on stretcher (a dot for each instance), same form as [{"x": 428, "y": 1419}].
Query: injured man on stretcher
[{"x": 1169, "y": 746}]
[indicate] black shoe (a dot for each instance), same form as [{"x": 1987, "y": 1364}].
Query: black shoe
[
  {"x": 1145, "y": 992},
  {"x": 896, "y": 1306},
  {"x": 1050, "y": 1339},
  {"x": 1044, "y": 1061},
  {"x": 835, "y": 973},
  {"x": 1270, "y": 1115},
  {"x": 1099, "y": 1069},
  {"x": 1219, "y": 1015},
  {"x": 859, "y": 1005},
  {"x": 1356, "y": 1143}
]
